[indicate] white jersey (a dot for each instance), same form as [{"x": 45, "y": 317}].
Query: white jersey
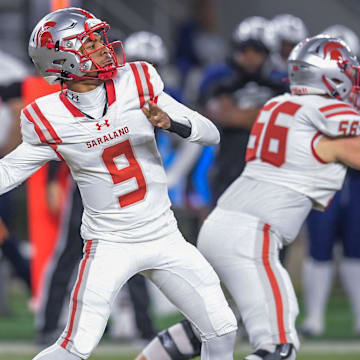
[
  {"x": 114, "y": 159},
  {"x": 284, "y": 177}
]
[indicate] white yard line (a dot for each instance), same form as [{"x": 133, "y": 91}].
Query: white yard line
[{"x": 313, "y": 347}]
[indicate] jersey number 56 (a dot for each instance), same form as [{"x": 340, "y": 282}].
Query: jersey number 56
[{"x": 273, "y": 143}]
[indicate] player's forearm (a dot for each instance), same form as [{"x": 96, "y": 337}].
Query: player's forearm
[
  {"x": 20, "y": 164},
  {"x": 348, "y": 151},
  {"x": 203, "y": 131},
  {"x": 10, "y": 176},
  {"x": 345, "y": 150}
]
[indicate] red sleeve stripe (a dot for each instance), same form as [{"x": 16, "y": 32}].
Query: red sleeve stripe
[
  {"x": 148, "y": 82},
  {"x": 40, "y": 133},
  {"x": 316, "y": 156},
  {"x": 36, "y": 127},
  {"x": 156, "y": 98},
  {"x": 46, "y": 123},
  {"x": 274, "y": 285},
  {"x": 110, "y": 91},
  {"x": 138, "y": 84},
  {"x": 73, "y": 109},
  {"x": 335, "y": 106},
  {"x": 348, "y": 112}
]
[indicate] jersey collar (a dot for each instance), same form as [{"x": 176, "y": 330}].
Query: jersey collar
[{"x": 110, "y": 93}]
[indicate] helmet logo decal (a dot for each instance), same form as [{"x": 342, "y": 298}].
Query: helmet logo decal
[
  {"x": 333, "y": 48},
  {"x": 43, "y": 36}
]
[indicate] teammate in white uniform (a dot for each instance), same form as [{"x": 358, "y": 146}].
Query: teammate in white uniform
[
  {"x": 297, "y": 155},
  {"x": 102, "y": 128}
]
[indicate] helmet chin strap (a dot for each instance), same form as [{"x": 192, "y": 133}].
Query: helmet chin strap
[
  {"x": 107, "y": 75},
  {"x": 104, "y": 75}
]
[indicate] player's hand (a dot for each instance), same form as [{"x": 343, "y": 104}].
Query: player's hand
[
  {"x": 4, "y": 233},
  {"x": 156, "y": 116}
]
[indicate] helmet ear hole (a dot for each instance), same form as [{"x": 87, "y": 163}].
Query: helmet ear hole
[
  {"x": 336, "y": 81},
  {"x": 58, "y": 61}
]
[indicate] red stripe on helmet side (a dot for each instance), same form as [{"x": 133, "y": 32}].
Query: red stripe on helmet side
[{"x": 86, "y": 13}]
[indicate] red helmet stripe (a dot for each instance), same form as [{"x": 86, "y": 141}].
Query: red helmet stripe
[{"x": 86, "y": 13}]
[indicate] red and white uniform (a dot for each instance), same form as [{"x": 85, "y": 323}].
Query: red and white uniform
[
  {"x": 127, "y": 224},
  {"x": 265, "y": 207}
]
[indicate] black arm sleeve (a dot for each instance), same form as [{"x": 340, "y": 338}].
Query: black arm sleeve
[{"x": 182, "y": 130}]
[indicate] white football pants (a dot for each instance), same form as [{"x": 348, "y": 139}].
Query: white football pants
[
  {"x": 176, "y": 267},
  {"x": 244, "y": 253}
]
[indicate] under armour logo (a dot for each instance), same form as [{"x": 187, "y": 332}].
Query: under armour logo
[
  {"x": 73, "y": 96},
  {"x": 106, "y": 123}
]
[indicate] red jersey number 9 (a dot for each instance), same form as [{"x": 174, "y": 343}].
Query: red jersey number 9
[
  {"x": 272, "y": 132},
  {"x": 133, "y": 170}
]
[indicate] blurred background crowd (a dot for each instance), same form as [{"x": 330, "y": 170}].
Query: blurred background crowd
[{"x": 224, "y": 58}]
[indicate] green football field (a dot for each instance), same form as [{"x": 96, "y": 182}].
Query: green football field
[{"x": 338, "y": 342}]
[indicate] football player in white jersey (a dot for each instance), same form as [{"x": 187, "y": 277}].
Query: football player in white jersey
[
  {"x": 103, "y": 128},
  {"x": 297, "y": 156}
]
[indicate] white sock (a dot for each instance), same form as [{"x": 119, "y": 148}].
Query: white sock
[
  {"x": 350, "y": 275},
  {"x": 219, "y": 347},
  {"x": 317, "y": 281}
]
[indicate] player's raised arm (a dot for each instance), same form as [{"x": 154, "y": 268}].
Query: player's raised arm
[
  {"x": 186, "y": 122},
  {"x": 165, "y": 112}
]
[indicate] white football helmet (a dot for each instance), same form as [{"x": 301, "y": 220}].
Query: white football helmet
[
  {"x": 346, "y": 34},
  {"x": 256, "y": 31},
  {"x": 144, "y": 45},
  {"x": 322, "y": 65},
  {"x": 55, "y": 44},
  {"x": 289, "y": 28}
]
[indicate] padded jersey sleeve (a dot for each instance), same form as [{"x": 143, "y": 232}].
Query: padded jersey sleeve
[
  {"x": 336, "y": 119},
  {"x": 147, "y": 80},
  {"x": 27, "y": 158},
  {"x": 203, "y": 131},
  {"x": 151, "y": 87},
  {"x": 21, "y": 163}
]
